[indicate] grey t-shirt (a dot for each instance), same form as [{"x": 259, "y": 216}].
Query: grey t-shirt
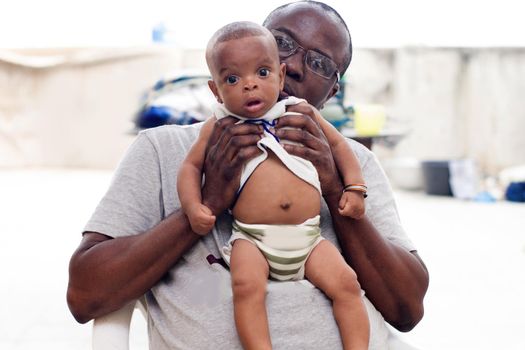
[{"x": 191, "y": 307}]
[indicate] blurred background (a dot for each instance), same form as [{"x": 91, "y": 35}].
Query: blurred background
[{"x": 435, "y": 89}]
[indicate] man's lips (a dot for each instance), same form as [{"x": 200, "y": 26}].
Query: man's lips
[{"x": 287, "y": 91}]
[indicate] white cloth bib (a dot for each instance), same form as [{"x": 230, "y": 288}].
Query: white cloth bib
[{"x": 301, "y": 167}]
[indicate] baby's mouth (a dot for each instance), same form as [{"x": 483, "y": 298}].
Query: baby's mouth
[{"x": 253, "y": 105}]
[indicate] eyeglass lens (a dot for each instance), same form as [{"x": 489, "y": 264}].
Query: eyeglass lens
[{"x": 315, "y": 61}]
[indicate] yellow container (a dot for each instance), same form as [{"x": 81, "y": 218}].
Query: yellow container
[{"x": 369, "y": 119}]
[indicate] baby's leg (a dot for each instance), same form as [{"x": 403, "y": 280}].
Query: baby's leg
[
  {"x": 328, "y": 271},
  {"x": 249, "y": 271}
]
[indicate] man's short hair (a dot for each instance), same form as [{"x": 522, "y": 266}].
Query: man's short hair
[{"x": 327, "y": 8}]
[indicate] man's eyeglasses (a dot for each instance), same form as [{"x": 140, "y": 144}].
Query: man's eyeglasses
[{"x": 314, "y": 61}]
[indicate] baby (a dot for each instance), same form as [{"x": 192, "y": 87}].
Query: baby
[{"x": 276, "y": 228}]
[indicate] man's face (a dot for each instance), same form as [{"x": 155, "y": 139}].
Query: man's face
[
  {"x": 313, "y": 29},
  {"x": 247, "y": 75}
]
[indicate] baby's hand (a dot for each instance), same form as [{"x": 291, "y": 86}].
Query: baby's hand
[
  {"x": 352, "y": 204},
  {"x": 201, "y": 219}
]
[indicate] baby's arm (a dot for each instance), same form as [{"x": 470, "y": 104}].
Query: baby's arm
[
  {"x": 189, "y": 183},
  {"x": 352, "y": 200}
]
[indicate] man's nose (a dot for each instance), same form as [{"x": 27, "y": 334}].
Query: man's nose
[{"x": 295, "y": 64}]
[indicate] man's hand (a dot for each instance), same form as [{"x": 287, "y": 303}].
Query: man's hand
[
  {"x": 229, "y": 147},
  {"x": 305, "y": 130}
]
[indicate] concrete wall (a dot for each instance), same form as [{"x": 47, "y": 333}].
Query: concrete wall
[
  {"x": 454, "y": 102},
  {"x": 77, "y": 111},
  {"x": 75, "y": 108}
]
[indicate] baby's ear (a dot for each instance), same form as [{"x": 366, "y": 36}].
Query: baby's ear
[
  {"x": 282, "y": 75},
  {"x": 213, "y": 88}
]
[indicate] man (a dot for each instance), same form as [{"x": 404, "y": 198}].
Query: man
[{"x": 138, "y": 241}]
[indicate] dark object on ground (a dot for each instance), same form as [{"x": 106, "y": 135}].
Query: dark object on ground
[
  {"x": 436, "y": 176},
  {"x": 515, "y": 192}
]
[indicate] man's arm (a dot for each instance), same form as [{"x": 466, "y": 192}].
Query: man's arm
[
  {"x": 395, "y": 280},
  {"x": 106, "y": 273}
]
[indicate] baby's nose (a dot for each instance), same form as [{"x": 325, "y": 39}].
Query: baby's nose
[{"x": 250, "y": 85}]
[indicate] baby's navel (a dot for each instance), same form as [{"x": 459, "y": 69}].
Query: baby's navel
[{"x": 285, "y": 205}]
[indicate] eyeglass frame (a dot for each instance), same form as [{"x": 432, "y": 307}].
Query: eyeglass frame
[{"x": 297, "y": 46}]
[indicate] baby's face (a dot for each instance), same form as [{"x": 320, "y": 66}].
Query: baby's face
[{"x": 247, "y": 75}]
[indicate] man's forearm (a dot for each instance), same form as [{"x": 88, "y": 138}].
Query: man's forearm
[
  {"x": 394, "y": 279},
  {"x": 106, "y": 273}
]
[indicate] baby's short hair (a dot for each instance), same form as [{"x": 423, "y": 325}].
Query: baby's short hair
[
  {"x": 233, "y": 31},
  {"x": 237, "y": 30}
]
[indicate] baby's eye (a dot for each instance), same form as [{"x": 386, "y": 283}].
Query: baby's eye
[
  {"x": 232, "y": 79},
  {"x": 263, "y": 72}
]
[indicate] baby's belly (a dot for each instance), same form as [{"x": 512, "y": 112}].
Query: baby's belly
[{"x": 274, "y": 195}]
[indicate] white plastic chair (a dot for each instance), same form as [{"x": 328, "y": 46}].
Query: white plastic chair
[{"x": 111, "y": 332}]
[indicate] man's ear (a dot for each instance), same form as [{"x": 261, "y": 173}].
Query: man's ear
[
  {"x": 334, "y": 91},
  {"x": 282, "y": 75},
  {"x": 213, "y": 88}
]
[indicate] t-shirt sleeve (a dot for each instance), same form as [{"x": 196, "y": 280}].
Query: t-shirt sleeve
[
  {"x": 132, "y": 203},
  {"x": 381, "y": 208}
]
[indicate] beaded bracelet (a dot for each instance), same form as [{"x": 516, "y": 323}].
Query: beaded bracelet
[{"x": 356, "y": 187}]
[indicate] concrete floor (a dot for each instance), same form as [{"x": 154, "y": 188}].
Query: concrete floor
[{"x": 475, "y": 253}]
